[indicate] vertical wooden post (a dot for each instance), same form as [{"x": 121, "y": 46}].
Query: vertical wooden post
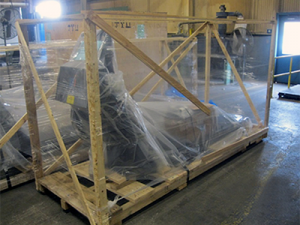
[
  {"x": 60, "y": 141},
  {"x": 93, "y": 93},
  {"x": 207, "y": 62},
  {"x": 180, "y": 79},
  {"x": 33, "y": 128},
  {"x": 195, "y": 70},
  {"x": 270, "y": 75},
  {"x": 161, "y": 51}
]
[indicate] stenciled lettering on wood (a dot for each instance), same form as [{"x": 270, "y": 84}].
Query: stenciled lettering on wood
[
  {"x": 121, "y": 24},
  {"x": 73, "y": 27}
]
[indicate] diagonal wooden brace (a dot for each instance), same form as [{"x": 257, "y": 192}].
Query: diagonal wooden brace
[
  {"x": 145, "y": 59},
  {"x": 176, "y": 68},
  {"x": 166, "y": 60},
  {"x": 24, "y": 118},
  {"x": 184, "y": 53},
  {"x": 237, "y": 77}
]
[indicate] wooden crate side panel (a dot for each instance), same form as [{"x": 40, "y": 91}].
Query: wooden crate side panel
[
  {"x": 264, "y": 10},
  {"x": 289, "y": 6}
]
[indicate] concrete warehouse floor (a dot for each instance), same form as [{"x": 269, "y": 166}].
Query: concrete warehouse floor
[{"x": 260, "y": 186}]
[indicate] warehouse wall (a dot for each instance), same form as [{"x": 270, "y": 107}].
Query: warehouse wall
[
  {"x": 203, "y": 8},
  {"x": 175, "y": 7},
  {"x": 289, "y": 6},
  {"x": 251, "y": 9},
  {"x": 208, "y": 8}
]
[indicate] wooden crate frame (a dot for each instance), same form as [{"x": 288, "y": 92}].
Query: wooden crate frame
[
  {"x": 92, "y": 201},
  {"x": 24, "y": 175}
]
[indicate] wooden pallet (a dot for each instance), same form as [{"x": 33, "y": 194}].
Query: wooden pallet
[
  {"x": 16, "y": 180},
  {"x": 62, "y": 186},
  {"x": 136, "y": 194}
]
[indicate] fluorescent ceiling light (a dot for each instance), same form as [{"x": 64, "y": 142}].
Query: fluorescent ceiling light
[{"x": 49, "y": 9}]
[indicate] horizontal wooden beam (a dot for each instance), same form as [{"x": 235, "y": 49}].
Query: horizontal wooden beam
[
  {"x": 143, "y": 16},
  {"x": 62, "y": 18},
  {"x": 167, "y": 17}
]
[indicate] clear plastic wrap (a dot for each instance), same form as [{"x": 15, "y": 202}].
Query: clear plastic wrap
[
  {"x": 17, "y": 152},
  {"x": 142, "y": 139},
  {"x": 148, "y": 136},
  {"x": 251, "y": 59}
]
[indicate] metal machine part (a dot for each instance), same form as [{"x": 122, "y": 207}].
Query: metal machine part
[
  {"x": 223, "y": 14},
  {"x": 127, "y": 143}
]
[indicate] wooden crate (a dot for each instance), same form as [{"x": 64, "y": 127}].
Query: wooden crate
[{"x": 92, "y": 200}]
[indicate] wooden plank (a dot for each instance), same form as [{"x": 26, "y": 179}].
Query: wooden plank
[
  {"x": 62, "y": 186},
  {"x": 93, "y": 93},
  {"x": 205, "y": 163},
  {"x": 194, "y": 72},
  {"x": 24, "y": 118},
  {"x": 82, "y": 169},
  {"x": 16, "y": 180},
  {"x": 134, "y": 191},
  {"x": 60, "y": 160},
  {"x": 9, "y": 48},
  {"x": 62, "y": 18},
  {"x": 176, "y": 68},
  {"x": 166, "y": 60},
  {"x": 64, "y": 205},
  {"x": 237, "y": 77},
  {"x": 270, "y": 75},
  {"x": 166, "y": 187},
  {"x": 39, "y": 46},
  {"x": 159, "y": 82},
  {"x": 26, "y": 52},
  {"x": 33, "y": 128},
  {"x": 289, "y": 6},
  {"x": 116, "y": 178},
  {"x": 173, "y": 17},
  {"x": 146, "y": 60},
  {"x": 207, "y": 62}
]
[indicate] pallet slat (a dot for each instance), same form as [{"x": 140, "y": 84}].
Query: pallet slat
[{"x": 16, "y": 180}]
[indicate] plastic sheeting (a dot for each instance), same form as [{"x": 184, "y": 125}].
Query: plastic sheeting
[{"x": 142, "y": 140}]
